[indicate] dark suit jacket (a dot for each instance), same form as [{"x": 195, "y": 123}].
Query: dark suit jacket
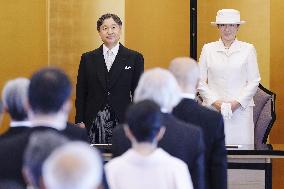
[
  {"x": 95, "y": 85},
  {"x": 12, "y": 150},
  {"x": 212, "y": 125},
  {"x": 12, "y": 131},
  {"x": 181, "y": 140}
]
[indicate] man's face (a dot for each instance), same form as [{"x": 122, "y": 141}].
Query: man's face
[
  {"x": 228, "y": 32},
  {"x": 110, "y": 32}
]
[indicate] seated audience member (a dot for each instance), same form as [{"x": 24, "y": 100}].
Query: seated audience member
[
  {"x": 75, "y": 165},
  {"x": 211, "y": 122},
  {"x": 181, "y": 140},
  {"x": 144, "y": 165},
  {"x": 40, "y": 146},
  {"x": 49, "y": 98},
  {"x": 14, "y": 96},
  {"x": 49, "y": 104}
]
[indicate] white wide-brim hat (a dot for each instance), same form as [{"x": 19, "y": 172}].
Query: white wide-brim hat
[{"x": 228, "y": 16}]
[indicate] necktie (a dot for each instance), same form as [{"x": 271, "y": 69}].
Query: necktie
[{"x": 109, "y": 59}]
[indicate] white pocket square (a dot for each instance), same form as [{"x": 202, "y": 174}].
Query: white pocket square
[{"x": 127, "y": 67}]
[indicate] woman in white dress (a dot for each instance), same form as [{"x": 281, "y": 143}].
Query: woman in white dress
[{"x": 230, "y": 77}]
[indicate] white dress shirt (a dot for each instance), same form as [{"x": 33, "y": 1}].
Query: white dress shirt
[{"x": 110, "y": 54}]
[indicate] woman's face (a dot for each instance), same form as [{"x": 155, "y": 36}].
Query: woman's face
[{"x": 228, "y": 32}]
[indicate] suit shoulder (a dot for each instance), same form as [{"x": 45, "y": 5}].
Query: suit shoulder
[
  {"x": 186, "y": 126},
  {"x": 245, "y": 43},
  {"x": 211, "y": 44},
  {"x": 89, "y": 53},
  {"x": 210, "y": 115},
  {"x": 130, "y": 51},
  {"x": 206, "y": 110}
]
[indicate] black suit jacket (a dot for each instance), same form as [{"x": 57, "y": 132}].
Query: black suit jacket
[
  {"x": 181, "y": 140},
  {"x": 12, "y": 149},
  {"x": 95, "y": 86},
  {"x": 212, "y": 125},
  {"x": 12, "y": 131}
]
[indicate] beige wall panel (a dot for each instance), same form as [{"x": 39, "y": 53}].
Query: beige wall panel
[
  {"x": 23, "y": 38},
  {"x": 276, "y": 84},
  {"x": 158, "y": 29},
  {"x": 72, "y": 31},
  {"x": 255, "y": 31}
]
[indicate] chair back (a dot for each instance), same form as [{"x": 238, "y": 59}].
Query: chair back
[{"x": 264, "y": 114}]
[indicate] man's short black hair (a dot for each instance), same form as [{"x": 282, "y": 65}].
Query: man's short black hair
[
  {"x": 144, "y": 120},
  {"x": 49, "y": 89},
  {"x": 106, "y": 16}
]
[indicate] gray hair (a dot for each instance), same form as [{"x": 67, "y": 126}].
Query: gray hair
[
  {"x": 75, "y": 165},
  {"x": 186, "y": 72},
  {"x": 14, "y": 96},
  {"x": 40, "y": 146},
  {"x": 159, "y": 85}
]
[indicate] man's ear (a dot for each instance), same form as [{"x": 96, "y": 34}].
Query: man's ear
[
  {"x": 67, "y": 106},
  {"x": 128, "y": 133},
  {"x": 161, "y": 133}
]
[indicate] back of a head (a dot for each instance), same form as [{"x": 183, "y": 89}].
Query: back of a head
[
  {"x": 75, "y": 165},
  {"x": 40, "y": 146},
  {"x": 159, "y": 85},
  {"x": 144, "y": 120},
  {"x": 186, "y": 72},
  {"x": 14, "y": 96},
  {"x": 49, "y": 89}
]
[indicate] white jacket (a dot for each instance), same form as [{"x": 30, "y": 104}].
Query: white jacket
[{"x": 228, "y": 74}]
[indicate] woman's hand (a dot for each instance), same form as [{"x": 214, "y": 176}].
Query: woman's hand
[
  {"x": 81, "y": 125},
  {"x": 217, "y": 104},
  {"x": 235, "y": 105}
]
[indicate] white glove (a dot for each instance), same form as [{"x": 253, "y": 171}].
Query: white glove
[{"x": 226, "y": 110}]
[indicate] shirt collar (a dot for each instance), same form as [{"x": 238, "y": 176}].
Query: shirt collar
[
  {"x": 20, "y": 124},
  {"x": 114, "y": 50},
  {"x": 57, "y": 121},
  {"x": 188, "y": 95},
  {"x": 233, "y": 46}
]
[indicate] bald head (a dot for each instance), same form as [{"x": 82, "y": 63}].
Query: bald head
[{"x": 186, "y": 72}]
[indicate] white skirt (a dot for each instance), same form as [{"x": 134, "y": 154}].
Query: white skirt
[{"x": 240, "y": 128}]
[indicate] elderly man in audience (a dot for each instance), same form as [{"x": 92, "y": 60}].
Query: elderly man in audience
[
  {"x": 211, "y": 122},
  {"x": 144, "y": 165},
  {"x": 49, "y": 104},
  {"x": 14, "y": 96},
  {"x": 75, "y": 165},
  {"x": 40, "y": 146},
  {"x": 184, "y": 141}
]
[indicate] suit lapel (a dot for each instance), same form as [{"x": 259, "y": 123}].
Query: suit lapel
[
  {"x": 101, "y": 66},
  {"x": 118, "y": 65}
]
